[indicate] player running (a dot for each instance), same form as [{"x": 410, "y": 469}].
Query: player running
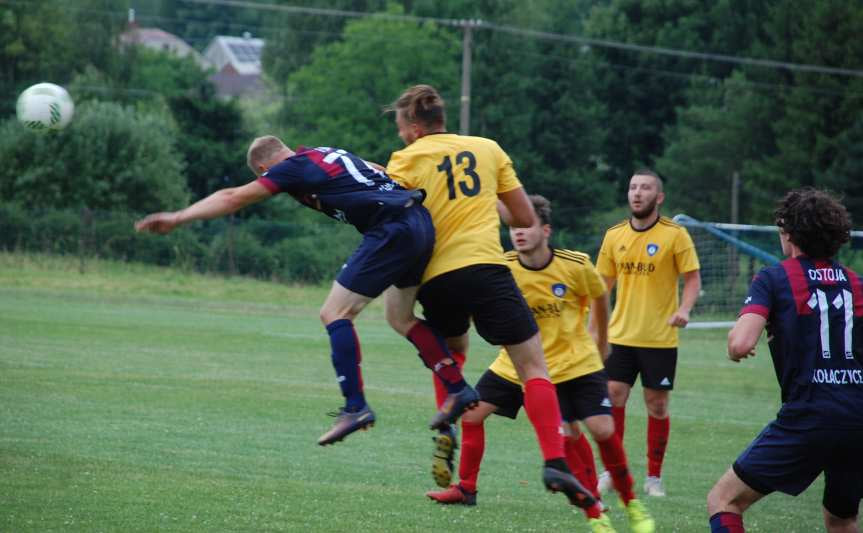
[
  {"x": 467, "y": 277},
  {"x": 558, "y": 285},
  {"x": 398, "y": 239},
  {"x": 812, "y": 308},
  {"x": 644, "y": 256}
]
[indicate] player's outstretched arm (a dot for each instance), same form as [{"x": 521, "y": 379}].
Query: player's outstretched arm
[
  {"x": 220, "y": 203},
  {"x": 744, "y": 336}
]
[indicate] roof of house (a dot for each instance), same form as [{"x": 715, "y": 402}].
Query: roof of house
[
  {"x": 156, "y": 39},
  {"x": 242, "y": 53}
]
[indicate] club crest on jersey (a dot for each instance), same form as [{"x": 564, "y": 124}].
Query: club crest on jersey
[
  {"x": 652, "y": 249},
  {"x": 558, "y": 289}
]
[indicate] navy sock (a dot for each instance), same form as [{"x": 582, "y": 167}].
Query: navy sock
[
  {"x": 726, "y": 523},
  {"x": 346, "y": 361}
]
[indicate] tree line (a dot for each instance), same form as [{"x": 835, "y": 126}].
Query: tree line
[{"x": 577, "y": 119}]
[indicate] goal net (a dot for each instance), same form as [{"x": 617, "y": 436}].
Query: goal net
[{"x": 730, "y": 256}]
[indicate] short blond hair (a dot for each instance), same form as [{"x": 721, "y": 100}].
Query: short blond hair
[{"x": 262, "y": 150}]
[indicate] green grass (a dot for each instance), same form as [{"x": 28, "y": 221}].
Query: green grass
[{"x": 143, "y": 399}]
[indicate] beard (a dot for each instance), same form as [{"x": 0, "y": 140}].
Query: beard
[{"x": 646, "y": 210}]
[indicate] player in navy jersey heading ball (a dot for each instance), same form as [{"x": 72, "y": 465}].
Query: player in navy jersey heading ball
[
  {"x": 812, "y": 308},
  {"x": 398, "y": 239}
]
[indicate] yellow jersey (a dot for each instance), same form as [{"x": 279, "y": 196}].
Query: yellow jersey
[
  {"x": 559, "y": 295},
  {"x": 647, "y": 264},
  {"x": 462, "y": 177}
]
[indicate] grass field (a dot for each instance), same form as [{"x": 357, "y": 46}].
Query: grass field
[{"x": 141, "y": 399}]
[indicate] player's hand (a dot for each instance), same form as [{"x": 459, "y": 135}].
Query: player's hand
[
  {"x": 679, "y": 319},
  {"x": 160, "y": 223},
  {"x": 737, "y": 359}
]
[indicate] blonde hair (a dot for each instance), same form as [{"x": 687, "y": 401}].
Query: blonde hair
[
  {"x": 421, "y": 104},
  {"x": 262, "y": 150}
]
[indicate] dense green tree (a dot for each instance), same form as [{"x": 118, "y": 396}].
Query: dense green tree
[
  {"x": 49, "y": 41},
  {"x": 108, "y": 158},
  {"x": 844, "y": 173},
  {"x": 211, "y": 135},
  {"x": 643, "y": 89},
  {"x": 722, "y": 131},
  {"x": 337, "y": 99},
  {"x": 817, "y": 109}
]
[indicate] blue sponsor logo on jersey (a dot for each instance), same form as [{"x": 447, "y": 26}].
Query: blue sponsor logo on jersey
[
  {"x": 652, "y": 249},
  {"x": 558, "y": 289}
]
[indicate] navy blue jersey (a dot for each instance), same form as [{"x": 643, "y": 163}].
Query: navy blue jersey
[
  {"x": 340, "y": 185},
  {"x": 814, "y": 312}
]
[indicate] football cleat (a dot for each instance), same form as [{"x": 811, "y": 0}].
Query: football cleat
[
  {"x": 346, "y": 423},
  {"x": 453, "y": 406},
  {"x": 558, "y": 481},
  {"x": 601, "y": 524},
  {"x": 453, "y": 495},
  {"x": 640, "y": 520},
  {"x": 445, "y": 443},
  {"x": 653, "y": 486}
]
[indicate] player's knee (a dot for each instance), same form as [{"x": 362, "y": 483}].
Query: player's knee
[
  {"x": 835, "y": 524},
  {"x": 399, "y": 322},
  {"x": 657, "y": 406},
  {"x": 331, "y": 314},
  {"x": 618, "y": 393},
  {"x": 602, "y": 432},
  {"x": 715, "y": 500}
]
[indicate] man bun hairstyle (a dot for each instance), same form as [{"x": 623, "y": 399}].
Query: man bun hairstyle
[
  {"x": 421, "y": 104},
  {"x": 815, "y": 220},
  {"x": 542, "y": 206}
]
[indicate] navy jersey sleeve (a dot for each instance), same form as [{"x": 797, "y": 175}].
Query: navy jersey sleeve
[
  {"x": 760, "y": 297},
  {"x": 288, "y": 176}
]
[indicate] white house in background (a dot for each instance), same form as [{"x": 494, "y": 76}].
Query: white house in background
[
  {"x": 237, "y": 61},
  {"x": 156, "y": 39}
]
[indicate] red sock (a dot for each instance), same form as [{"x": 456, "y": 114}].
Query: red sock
[
  {"x": 436, "y": 356},
  {"x": 586, "y": 454},
  {"x": 657, "y": 441},
  {"x": 540, "y": 404},
  {"x": 580, "y": 471},
  {"x": 472, "y": 448},
  {"x": 440, "y": 391},
  {"x": 619, "y": 416},
  {"x": 726, "y": 523},
  {"x": 614, "y": 459}
]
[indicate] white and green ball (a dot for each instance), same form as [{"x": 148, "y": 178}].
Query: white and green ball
[{"x": 45, "y": 106}]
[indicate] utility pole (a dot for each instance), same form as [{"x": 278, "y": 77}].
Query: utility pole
[
  {"x": 735, "y": 197},
  {"x": 466, "y": 44}
]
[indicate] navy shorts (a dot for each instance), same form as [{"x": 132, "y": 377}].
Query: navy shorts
[
  {"x": 657, "y": 366},
  {"x": 393, "y": 252},
  {"x": 487, "y": 294},
  {"x": 787, "y": 459},
  {"x": 579, "y": 398}
]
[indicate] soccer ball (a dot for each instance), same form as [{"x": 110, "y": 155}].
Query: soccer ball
[{"x": 45, "y": 106}]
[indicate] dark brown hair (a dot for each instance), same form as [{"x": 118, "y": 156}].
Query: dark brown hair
[
  {"x": 815, "y": 220},
  {"x": 421, "y": 104},
  {"x": 648, "y": 172},
  {"x": 542, "y": 207}
]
